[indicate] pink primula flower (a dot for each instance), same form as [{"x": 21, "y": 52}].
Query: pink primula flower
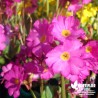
[
  {"x": 32, "y": 68},
  {"x": 75, "y": 5},
  {"x": 91, "y": 49},
  {"x": 6, "y": 68},
  {"x": 86, "y": 1},
  {"x": 13, "y": 80},
  {"x": 90, "y": 55},
  {"x": 66, "y": 58},
  {"x": 66, "y": 28},
  {"x": 39, "y": 38},
  {"x": 46, "y": 74},
  {"x": 4, "y": 40}
]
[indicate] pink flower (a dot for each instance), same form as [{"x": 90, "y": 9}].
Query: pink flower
[
  {"x": 91, "y": 49},
  {"x": 46, "y": 74},
  {"x": 3, "y": 38},
  {"x": 39, "y": 38},
  {"x": 90, "y": 55},
  {"x": 77, "y": 4},
  {"x": 8, "y": 7},
  {"x": 66, "y": 28},
  {"x": 83, "y": 73},
  {"x": 6, "y": 68},
  {"x": 74, "y": 7},
  {"x": 32, "y": 71},
  {"x": 32, "y": 68},
  {"x": 86, "y": 1},
  {"x": 9, "y": 12},
  {"x": 13, "y": 80},
  {"x": 65, "y": 59}
]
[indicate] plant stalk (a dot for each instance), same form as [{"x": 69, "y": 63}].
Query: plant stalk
[
  {"x": 23, "y": 21},
  {"x": 32, "y": 93},
  {"x": 57, "y": 5},
  {"x": 63, "y": 92},
  {"x": 97, "y": 23},
  {"x": 41, "y": 86},
  {"x": 47, "y": 2}
]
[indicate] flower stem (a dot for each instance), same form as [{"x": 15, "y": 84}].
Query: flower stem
[
  {"x": 47, "y": 2},
  {"x": 23, "y": 21},
  {"x": 63, "y": 93},
  {"x": 32, "y": 93},
  {"x": 97, "y": 23},
  {"x": 41, "y": 86},
  {"x": 57, "y": 5}
]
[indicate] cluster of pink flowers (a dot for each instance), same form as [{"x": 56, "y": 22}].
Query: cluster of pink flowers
[
  {"x": 56, "y": 47},
  {"x": 71, "y": 53},
  {"x": 10, "y": 6}
]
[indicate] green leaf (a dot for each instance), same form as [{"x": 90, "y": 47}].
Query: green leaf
[
  {"x": 2, "y": 60},
  {"x": 47, "y": 93},
  {"x": 6, "y": 50},
  {"x": 68, "y": 95},
  {"x": 43, "y": 94}
]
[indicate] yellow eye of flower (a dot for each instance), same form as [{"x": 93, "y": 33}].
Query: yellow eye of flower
[
  {"x": 88, "y": 49},
  {"x": 16, "y": 81},
  {"x": 65, "y": 56},
  {"x": 65, "y": 33},
  {"x": 43, "y": 39},
  {"x": 45, "y": 70}
]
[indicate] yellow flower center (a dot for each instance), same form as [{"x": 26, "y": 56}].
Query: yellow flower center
[
  {"x": 88, "y": 49},
  {"x": 16, "y": 81},
  {"x": 65, "y": 33},
  {"x": 45, "y": 70},
  {"x": 43, "y": 39},
  {"x": 65, "y": 56}
]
